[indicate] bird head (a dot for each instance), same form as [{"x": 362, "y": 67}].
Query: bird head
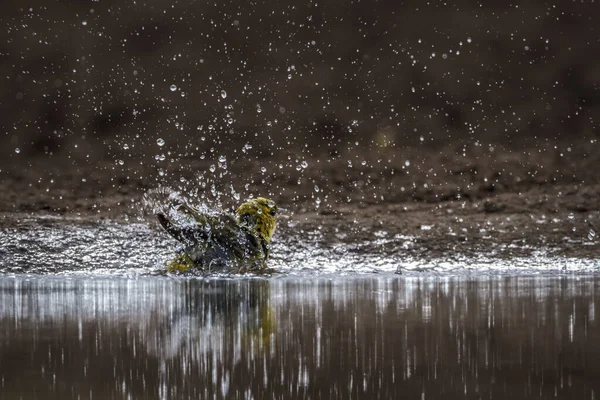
[{"x": 260, "y": 215}]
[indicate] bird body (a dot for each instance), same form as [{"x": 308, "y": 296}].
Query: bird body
[{"x": 222, "y": 242}]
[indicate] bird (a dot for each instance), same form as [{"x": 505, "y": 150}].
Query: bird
[{"x": 220, "y": 241}]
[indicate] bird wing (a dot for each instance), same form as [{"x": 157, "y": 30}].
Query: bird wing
[
  {"x": 190, "y": 225},
  {"x": 213, "y": 236}
]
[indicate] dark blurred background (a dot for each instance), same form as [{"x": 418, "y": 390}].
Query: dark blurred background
[
  {"x": 103, "y": 74},
  {"x": 91, "y": 80}
]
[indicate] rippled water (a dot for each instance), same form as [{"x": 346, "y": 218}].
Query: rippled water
[
  {"x": 285, "y": 338},
  {"x": 76, "y": 247}
]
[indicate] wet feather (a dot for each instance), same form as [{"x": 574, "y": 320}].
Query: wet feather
[{"x": 222, "y": 242}]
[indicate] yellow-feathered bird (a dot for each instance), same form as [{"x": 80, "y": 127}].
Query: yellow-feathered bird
[{"x": 222, "y": 242}]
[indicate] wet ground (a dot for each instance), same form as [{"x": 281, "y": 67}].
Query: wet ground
[{"x": 423, "y": 337}]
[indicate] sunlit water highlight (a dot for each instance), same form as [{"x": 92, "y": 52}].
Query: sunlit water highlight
[
  {"x": 74, "y": 247},
  {"x": 284, "y": 338}
]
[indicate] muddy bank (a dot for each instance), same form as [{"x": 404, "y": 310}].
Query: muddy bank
[{"x": 547, "y": 177}]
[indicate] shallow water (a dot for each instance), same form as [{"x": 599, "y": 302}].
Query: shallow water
[
  {"x": 70, "y": 246},
  {"x": 83, "y": 315},
  {"x": 359, "y": 337}
]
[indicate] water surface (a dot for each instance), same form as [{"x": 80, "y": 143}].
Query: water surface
[
  {"x": 361, "y": 337},
  {"x": 75, "y": 246}
]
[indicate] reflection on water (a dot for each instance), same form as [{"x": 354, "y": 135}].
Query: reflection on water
[{"x": 417, "y": 338}]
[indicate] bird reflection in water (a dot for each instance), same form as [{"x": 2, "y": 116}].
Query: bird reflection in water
[{"x": 421, "y": 337}]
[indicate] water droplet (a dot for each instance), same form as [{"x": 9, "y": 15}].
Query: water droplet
[
  {"x": 591, "y": 234},
  {"x": 304, "y": 164},
  {"x": 223, "y": 94},
  {"x": 235, "y": 194},
  {"x": 246, "y": 147},
  {"x": 263, "y": 169},
  {"x": 222, "y": 159},
  {"x": 160, "y": 142},
  {"x": 212, "y": 168},
  {"x": 316, "y": 189},
  {"x": 173, "y": 88},
  {"x": 571, "y": 216},
  {"x": 17, "y": 150}
]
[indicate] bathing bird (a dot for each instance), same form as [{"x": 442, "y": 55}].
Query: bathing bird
[{"x": 220, "y": 241}]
